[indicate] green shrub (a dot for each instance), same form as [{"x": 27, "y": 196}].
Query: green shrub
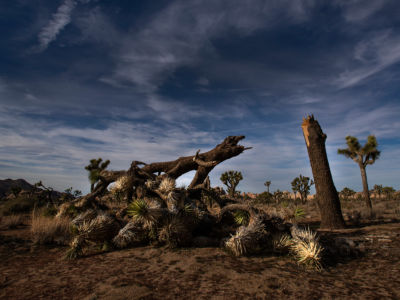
[
  {"x": 20, "y": 204},
  {"x": 264, "y": 198}
]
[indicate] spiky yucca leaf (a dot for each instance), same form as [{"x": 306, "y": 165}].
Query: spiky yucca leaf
[
  {"x": 246, "y": 240},
  {"x": 119, "y": 185},
  {"x": 241, "y": 217},
  {"x": 102, "y": 228},
  {"x": 139, "y": 211},
  {"x": 308, "y": 253},
  {"x": 167, "y": 185},
  {"x": 282, "y": 242},
  {"x": 86, "y": 216},
  {"x": 151, "y": 184},
  {"x": 304, "y": 234},
  {"x": 306, "y": 247},
  {"x": 299, "y": 213},
  {"x": 132, "y": 233},
  {"x": 76, "y": 249}
]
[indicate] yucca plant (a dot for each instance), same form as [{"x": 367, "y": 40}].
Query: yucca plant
[
  {"x": 118, "y": 189},
  {"x": 167, "y": 185},
  {"x": 246, "y": 239},
  {"x": 102, "y": 229},
  {"x": 282, "y": 243},
  {"x": 76, "y": 248},
  {"x": 306, "y": 247},
  {"x": 139, "y": 211},
  {"x": 131, "y": 234},
  {"x": 298, "y": 213},
  {"x": 241, "y": 217},
  {"x": 308, "y": 253}
]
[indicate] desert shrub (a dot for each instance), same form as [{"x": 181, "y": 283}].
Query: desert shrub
[
  {"x": 48, "y": 230},
  {"x": 10, "y": 222},
  {"x": 50, "y": 211},
  {"x": 264, "y": 198},
  {"x": 21, "y": 204}
]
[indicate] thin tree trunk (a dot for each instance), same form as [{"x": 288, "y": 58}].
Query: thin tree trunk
[
  {"x": 327, "y": 195},
  {"x": 365, "y": 190}
]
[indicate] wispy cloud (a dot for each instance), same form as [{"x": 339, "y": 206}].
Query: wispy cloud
[
  {"x": 359, "y": 10},
  {"x": 179, "y": 34},
  {"x": 58, "y": 21},
  {"x": 372, "y": 55}
]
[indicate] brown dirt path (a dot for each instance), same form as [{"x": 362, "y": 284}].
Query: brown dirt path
[{"x": 202, "y": 273}]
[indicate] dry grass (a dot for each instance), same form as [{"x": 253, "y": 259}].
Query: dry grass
[
  {"x": 48, "y": 230},
  {"x": 10, "y": 222}
]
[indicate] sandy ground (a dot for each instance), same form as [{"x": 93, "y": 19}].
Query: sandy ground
[{"x": 197, "y": 273}]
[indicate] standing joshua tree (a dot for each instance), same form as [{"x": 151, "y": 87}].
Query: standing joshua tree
[
  {"x": 231, "y": 179},
  {"x": 302, "y": 185},
  {"x": 363, "y": 156},
  {"x": 267, "y": 184},
  {"x": 94, "y": 168}
]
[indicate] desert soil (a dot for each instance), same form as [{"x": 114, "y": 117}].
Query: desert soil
[{"x": 27, "y": 272}]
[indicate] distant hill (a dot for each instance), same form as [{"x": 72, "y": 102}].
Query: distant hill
[{"x": 7, "y": 184}]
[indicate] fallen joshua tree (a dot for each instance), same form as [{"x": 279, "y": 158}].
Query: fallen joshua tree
[{"x": 198, "y": 215}]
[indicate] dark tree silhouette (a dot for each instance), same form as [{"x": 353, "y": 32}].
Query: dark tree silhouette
[
  {"x": 363, "y": 156},
  {"x": 231, "y": 179},
  {"x": 94, "y": 168},
  {"x": 267, "y": 184},
  {"x": 302, "y": 185}
]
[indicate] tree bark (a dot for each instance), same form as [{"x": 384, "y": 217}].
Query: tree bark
[
  {"x": 365, "y": 189},
  {"x": 203, "y": 163},
  {"x": 327, "y": 196}
]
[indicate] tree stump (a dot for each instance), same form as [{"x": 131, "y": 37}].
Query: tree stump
[{"x": 326, "y": 193}]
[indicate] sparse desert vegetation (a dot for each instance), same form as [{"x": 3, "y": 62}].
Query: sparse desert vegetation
[{"x": 138, "y": 234}]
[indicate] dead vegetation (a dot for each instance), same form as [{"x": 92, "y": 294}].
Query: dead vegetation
[
  {"x": 11, "y": 222},
  {"x": 50, "y": 230}
]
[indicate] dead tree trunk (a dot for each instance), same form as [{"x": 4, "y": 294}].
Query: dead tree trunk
[
  {"x": 327, "y": 196},
  {"x": 203, "y": 163}
]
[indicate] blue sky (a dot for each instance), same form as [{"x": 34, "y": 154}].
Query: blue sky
[{"x": 154, "y": 80}]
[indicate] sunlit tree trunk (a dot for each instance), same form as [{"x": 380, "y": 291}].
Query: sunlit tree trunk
[
  {"x": 365, "y": 189},
  {"x": 327, "y": 195}
]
